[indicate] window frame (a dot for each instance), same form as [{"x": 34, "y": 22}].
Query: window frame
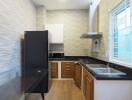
[{"x": 112, "y": 21}]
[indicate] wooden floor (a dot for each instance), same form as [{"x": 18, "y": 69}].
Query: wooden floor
[{"x": 61, "y": 90}]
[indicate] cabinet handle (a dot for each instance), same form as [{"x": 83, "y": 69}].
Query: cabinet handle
[
  {"x": 39, "y": 71},
  {"x": 67, "y": 66},
  {"x": 67, "y": 63},
  {"x": 68, "y": 69}
]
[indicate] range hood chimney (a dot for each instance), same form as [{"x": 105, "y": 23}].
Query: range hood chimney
[{"x": 92, "y": 11}]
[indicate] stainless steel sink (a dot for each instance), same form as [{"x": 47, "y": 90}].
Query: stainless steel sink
[
  {"x": 96, "y": 65},
  {"x": 107, "y": 71},
  {"x": 101, "y": 69}
]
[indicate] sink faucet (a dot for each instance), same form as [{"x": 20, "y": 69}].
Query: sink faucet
[{"x": 108, "y": 64}]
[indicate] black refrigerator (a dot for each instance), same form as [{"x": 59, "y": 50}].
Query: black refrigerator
[{"x": 35, "y": 71}]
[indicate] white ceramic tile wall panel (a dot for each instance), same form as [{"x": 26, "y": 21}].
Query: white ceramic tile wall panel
[
  {"x": 16, "y": 16},
  {"x": 75, "y": 23}
]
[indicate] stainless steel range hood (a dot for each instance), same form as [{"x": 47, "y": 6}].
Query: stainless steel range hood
[
  {"x": 91, "y": 35},
  {"x": 92, "y": 11}
]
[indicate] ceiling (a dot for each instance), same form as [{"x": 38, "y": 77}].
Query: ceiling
[{"x": 63, "y": 4}]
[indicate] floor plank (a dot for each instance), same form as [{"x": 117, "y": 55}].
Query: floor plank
[{"x": 61, "y": 90}]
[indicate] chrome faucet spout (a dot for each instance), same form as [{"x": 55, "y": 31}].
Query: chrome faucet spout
[{"x": 108, "y": 65}]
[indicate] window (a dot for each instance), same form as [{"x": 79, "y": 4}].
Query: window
[{"x": 121, "y": 35}]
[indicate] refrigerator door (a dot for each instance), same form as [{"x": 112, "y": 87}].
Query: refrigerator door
[{"x": 36, "y": 61}]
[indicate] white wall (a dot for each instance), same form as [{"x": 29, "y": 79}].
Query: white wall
[
  {"x": 112, "y": 90},
  {"x": 16, "y": 16},
  {"x": 41, "y": 18}
]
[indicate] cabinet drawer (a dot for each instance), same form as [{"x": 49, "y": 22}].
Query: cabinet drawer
[
  {"x": 67, "y": 74},
  {"x": 54, "y": 69},
  {"x": 54, "y": 75},
  {"x": 54, "y": 64},
  {"x": 67, "y": 63},
  {"x": 67, "y": 69},
  {"x": 66, "y": 66}
]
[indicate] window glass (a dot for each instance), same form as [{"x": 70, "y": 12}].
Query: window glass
[{"x": 122, "y": 36}]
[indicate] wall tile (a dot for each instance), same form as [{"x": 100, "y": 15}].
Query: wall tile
[{"x": 75, "y": 23}]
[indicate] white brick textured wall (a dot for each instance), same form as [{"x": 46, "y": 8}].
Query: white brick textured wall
[{"x": 16, "y": 16}]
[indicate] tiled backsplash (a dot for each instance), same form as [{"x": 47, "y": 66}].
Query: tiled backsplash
[{"x": 56, "y": 48}]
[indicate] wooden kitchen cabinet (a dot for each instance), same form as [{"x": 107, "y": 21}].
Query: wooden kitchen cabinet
[
  {"x": 78, "y": 74},
  {"x": 88, "y": 85},
  {"x": 56, "y": 32},
  {"x": 84, "y": 81},
  {"x": 54, "y": 69},
  {"x": 67, "y": 69}
]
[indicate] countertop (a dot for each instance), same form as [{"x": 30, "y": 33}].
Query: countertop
[
  {"x": 104, "y": 77},
  {"x": 63, "y": 59},
  {"x": 75, "y": 58},
  {"x": 83, "y": 60}
]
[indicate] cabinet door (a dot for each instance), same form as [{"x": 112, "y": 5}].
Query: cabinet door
[
  {"x": 89, "y": 87},
  {"x": 84, "y": 81},
  {"x": 54, "y": 69},
  {"x": 56, "y": 31},
  {"x": 78, "y": 74},
  {"x": 67, "y": 69}
]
